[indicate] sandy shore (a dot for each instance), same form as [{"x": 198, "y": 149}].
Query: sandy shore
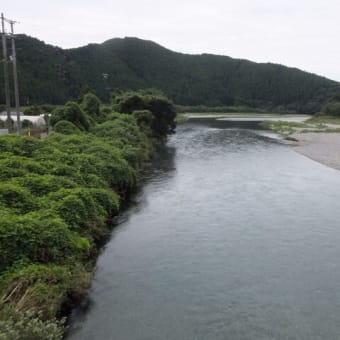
[{"x": 321, "y": 147}]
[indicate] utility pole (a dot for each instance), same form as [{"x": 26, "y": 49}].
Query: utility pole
[
  {"x": 15, "y": 78},
  {"x": 4, "y": 51}
]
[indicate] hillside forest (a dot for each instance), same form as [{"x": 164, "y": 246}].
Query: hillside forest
[{"x": 51, "y": 75}]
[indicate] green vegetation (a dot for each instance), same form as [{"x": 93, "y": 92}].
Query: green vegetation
[
  {"x": 327, "y": 120},
  {"x": 241, "y": 115},
  {"x": 29, "y": 326},
  {"x": 217, "y": 109},
  {"x": 181, "y": 118},
  {"x": 316, "y": 124},
  {"x": 324, "y": 119},
  {"x": 332, "y": 107},
  {"x": 57, "y": 196},
  {"x": 283, "y": 127},
  {"x": 36, "y": 110},
  {"x": 149, "y": 106},
  {"x": 73, "y": 113},
  {"x": 66, "y": 127},
  {"x": 49, "y": 74}
]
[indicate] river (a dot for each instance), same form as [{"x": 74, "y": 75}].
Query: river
[{"x": 233, "y": 236}]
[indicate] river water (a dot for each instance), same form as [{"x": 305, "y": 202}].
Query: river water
[{"x": 234, "y": 236}]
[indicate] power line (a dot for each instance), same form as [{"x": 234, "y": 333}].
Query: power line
[
  {"x": 15, "y": 73},
  {"x": 5, "y": 62},
  {"x": 15, "y": 78}
]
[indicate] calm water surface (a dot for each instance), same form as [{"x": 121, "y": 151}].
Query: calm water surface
[{"x": 234, "y": 236}]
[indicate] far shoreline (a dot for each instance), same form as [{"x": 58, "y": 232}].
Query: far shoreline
[
  {"x": 246, "y": 116},
  {"x": 320, "y": 147}
]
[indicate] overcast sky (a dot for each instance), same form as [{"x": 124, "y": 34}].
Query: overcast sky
[{"x": 299, "y": 33}]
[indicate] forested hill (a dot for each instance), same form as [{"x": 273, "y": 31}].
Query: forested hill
[{"x": 50, "y": 74}]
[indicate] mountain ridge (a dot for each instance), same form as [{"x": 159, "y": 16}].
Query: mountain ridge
[{"x": 51, "y": 74}]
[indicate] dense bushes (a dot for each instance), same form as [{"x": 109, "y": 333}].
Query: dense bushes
[
  {"x": 73, "y": 113},
  {"x": 16, "y": 197},
  {"x": 91, "y": 106},
  {"x": 56, "y": 198},
  {"x": 61, "y": 185},
  {"x": 332, "y": 109},
  {"x": 38, "y": 239},
  {"x": 24, "y": 289},
  {"x": 29, "y": 326},
  {"x": 36, "y": 110},
  {"x": 16, "y": 166},
  {"x": 162, "y": 110},
  {"x": 66, "y": 127},
  {"x": 40, "y": 185}
]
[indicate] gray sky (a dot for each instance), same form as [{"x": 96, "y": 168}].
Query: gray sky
[{"x": 299, "y": 33}]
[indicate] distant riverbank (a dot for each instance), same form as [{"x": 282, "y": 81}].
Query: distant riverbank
[
  {"x": 306, "y": 132},
  {"x": 249, "y": 116},
  {"x": 316, "y": 137},
  {"x": 321, "y": 147}
]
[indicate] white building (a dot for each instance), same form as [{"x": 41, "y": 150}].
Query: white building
[{"x": 37, "y": 121}]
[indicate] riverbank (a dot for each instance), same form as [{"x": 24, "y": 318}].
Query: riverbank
[
  {"x": 58, "y": 196},
  {"x": 248, "y": 116},
  {"x": 315, "y": 137},
  {"x": 321, "y": 147}
]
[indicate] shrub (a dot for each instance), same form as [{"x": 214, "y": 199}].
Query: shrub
[
  {"x": 40, "y": 185},
  {"x": 72, "y": 113},
  {"x": 143, "y": 117},
  {"x": 107, "y": 199},
  {"x": 35, "y": 287},
  {"x": 162, "y": 109},
  {"x": 112, "y": 167},
  {"x": 66, "y": 127},
  {"x": 33, "y": 110},
  {"x": 91, "y": 105},
  {"x": 30, "y": 326},
  {"x": 16, "y": 197},
  {"x": 37, "y": 237},
  {"x": 124, "y": 127},
  {"x": 125, "y": 134},
  {"x": 16, "y": 166},
  {"x": 332, "y": 109},
  {"x": 19, "y": 145},
  {"x": 76, "y": 206}
]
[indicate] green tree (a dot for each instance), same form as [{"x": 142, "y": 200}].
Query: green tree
[
  {"x": 332, "y": 108},
  {"x": 73, "y": 113},
  {"x": 91, "y": 105},
  {"x": 66, "y": 127},
  {"x": 162, "y": 109}
]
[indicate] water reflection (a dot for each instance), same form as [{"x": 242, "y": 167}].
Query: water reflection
[{"x": 234, "y": 236}]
